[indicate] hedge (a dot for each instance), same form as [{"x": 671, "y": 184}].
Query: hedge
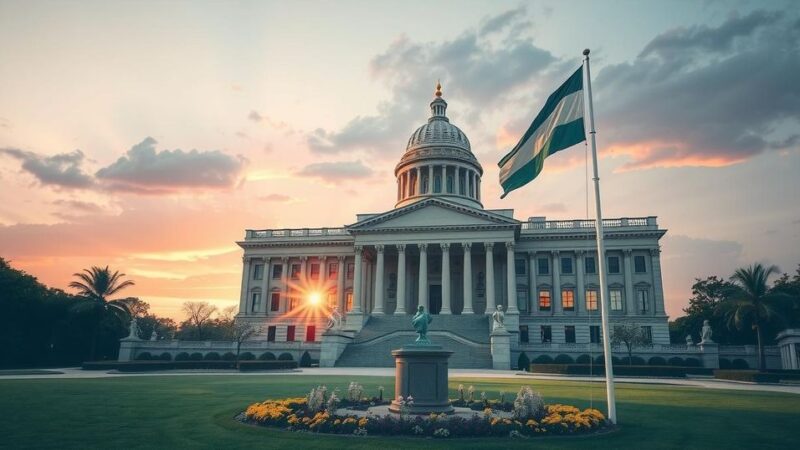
[
  {"x": 247, "y": 356},
  {"x": 657, "y": 361},
  {"x": 146, "y": 366},
  {"x": 144, "y": 356},
  {"x": 285, "y": 357},
  {"x": 620, "y": 370},
  {"x": 739, "y": 364},
  {"x": 563, "y": 359},
  {"x": 267, "y": 356},
  {"x": 229, "y": 356},
  {"x": 182, "y": 356},
  {"x": 543, "y": 359},
  {"x": 212, "y": 356},
  {"x": 166, "y": 356},
  {"x": 633, "y": 361},
  {"x": 583, "y": 359},
  {"x": 752, "y": 376},
  {"x": 196, "y": 356},
  {"x": 523, "y": 362},
  {"x": 245, "y": 366}
]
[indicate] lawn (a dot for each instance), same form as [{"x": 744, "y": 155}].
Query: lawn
[{"x": 197, "y": 411}]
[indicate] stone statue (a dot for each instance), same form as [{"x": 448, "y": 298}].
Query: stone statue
[
  {"x": 689, "y": 340},
  {"x": 420, "y": 323},
  {"x": 498, "y": 318},
  {"x": 133, "y": 330},
  {"x": 334, "y": 319},
  {"x": 705, "y": 335},
  {"x": 154, "y": 336}
]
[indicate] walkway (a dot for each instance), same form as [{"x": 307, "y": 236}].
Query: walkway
[{"x": 707, "y": 383}]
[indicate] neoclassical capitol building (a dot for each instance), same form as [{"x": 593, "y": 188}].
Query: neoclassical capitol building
[{"x": 439, "y": 248}]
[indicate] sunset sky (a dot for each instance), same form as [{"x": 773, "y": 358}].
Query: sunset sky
[{"x": 148, "y": 136}]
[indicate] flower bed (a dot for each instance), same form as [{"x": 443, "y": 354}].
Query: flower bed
[{"x": 526, "y": 416}]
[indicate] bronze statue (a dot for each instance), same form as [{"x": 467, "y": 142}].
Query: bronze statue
[{"x": 420, "y": 323}]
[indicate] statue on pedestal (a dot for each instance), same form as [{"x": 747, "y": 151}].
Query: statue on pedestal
[
  {"x": 154, "y": 336},
  {"x": 689, "y": 340},
  {"x": 133, "y": 330},
  {"x": 334, "y": 319},
  {"x": 498, "y": 319},
  {"x": 420, "y": 323},
  {"x": 705, "y": 335}
]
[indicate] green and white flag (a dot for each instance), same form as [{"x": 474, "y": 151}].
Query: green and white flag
[{"x": 558, "y": 125}]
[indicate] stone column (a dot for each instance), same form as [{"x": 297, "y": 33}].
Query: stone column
[
  {"x": 446, "y": 280},
  {"x": 323, "y": 270},
  {"x": 357, "y": 280},
  {"x": 401, "y": 279},
  {"x": 658, "y": 289},
  {"x": 284, "y": 306},
  {"x": 556, "y": 297},
  {"x": 303, "y": 268},
  {"x": 262, "y": 307},
  {"x": 245, "y": 279},
  {"x": 533, "y": 292},
  {"x": 419, "y": 181},
  {"x": 423, "y": 276},
  {"x": 467, "y": 278},
  {"x": 444, "y": 178},
  {"x": 379, "y": 281},
  {"x": 580, "y": 296},
  {"x": 490, "y": 303},
  {"x": 630, "y": 301},
  {"x": 511, "y": 279},
  {"x": 430, "y": 179},
  {"x": 340, "y": 283}
]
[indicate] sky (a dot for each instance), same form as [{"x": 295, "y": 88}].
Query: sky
[{"x": 147, "y": 136}]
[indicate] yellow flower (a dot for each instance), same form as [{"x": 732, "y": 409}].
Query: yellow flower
[{"x": 363, "y": 422}]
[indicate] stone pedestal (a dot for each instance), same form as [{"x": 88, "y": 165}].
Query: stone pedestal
[
  {"x": 710, "y": 354},
  {"x": 421, "y": 372},
  {"x": 333, "y": 344},
  {"x": 501, "y": 349},
  {"x": 354, "y": 321},
  {"x": 127, "y": 347}
]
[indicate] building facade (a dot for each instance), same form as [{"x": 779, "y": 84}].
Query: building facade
[{"x": 441, "y": 249}]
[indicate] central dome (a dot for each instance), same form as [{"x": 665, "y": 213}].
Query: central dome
[{"x": 438, "y": 162}]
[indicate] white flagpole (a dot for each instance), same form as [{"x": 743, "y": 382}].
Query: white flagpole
[{"x": 601, "y": 253}]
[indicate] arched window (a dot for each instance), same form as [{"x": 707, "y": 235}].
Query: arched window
[
  {"x": 425, "y": 184},
  {"x": 449, "y": 184},
  {"x": 437, "y": 183}
]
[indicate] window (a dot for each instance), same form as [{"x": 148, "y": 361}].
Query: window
[
  {"x": 647, "y": 333},
  {"x": 638, "y": 264},
  {"x": 413, "y": 185},
  {"x": 544, "y": 266},
  {"x": 547, "y": 333},
  {"x": 255, "y": 301},
  {"x": 449, "y": 184},
  {"x": 522, "y": 297},
  {"x": 519, "y": 266},
  {"x": 311, "y": 333},
  {"x": 348, "y": 303},
  {"x": 437, "y": 183},
  {"x": 569, "y": 334},
  {"x": 351, "y": 269},
  {"x": 295, "y": 271},
  {"x": 292, "y": 300},
  {"x": 613, "y": 264},
  {"x": 258, "y": 272},
  {"x": 271, "y": 333},
  {"x": 591, "y": 300},
  {"x": 594, "y": 334},
  {"x": 277, "y": 271},
  {"x": 275, "y": 301},
  {"x": 544, "y": 300},
  {"x": 461, "y": 189},
  {"x": 615, "y": 297},
  {"x": 290, "y": 333},
  {"x": 588, "y": 262},
  {"x": 566, "y": 265},
  {"x": 314, "y": 271},
  {"x": 333, "y": 270},
  {"x": 568, "y": 299},
  {"x": 425, "y": 184},
  {"x": 523, "y": 334},
  {"x": 331, "y": 302},
  {"x": 641, "y": 294}
]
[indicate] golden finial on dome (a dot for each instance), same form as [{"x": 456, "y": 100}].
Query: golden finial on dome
[{"x": 438, "y": 92}]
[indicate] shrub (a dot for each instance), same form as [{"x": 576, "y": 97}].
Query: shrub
[
  {"x": 676, "y": 361},
  {"x": 247, "y": 356},
  {"x": 657, "y": 361},
  {"x": 285, "y": 357},
  {"x": 212, "y": 356},
  {"x": 267, "y": 356},
  {"x": 144, "y": 356},
  {"x": 523, "y": 362},
  {"x": 725, "y": 363},
  {"x": 528, "y": 404},
  {"x": 739, "y": 364},
  {"x": 196, "y": 356},
  {"x": 583, "y": 359},
  {"x": 229, "y": 356},
  {"x": 633, "y": 361},
  {"x": 692, "y": 362},
  {"x": 620, "y": 370},
  {"x": 165, "y": 356},
  {"x": 563, "y": 359},
  {"x": 752, "y": 376},
  {"x": 182, "y": 356},
  {"x": 600, "y": 360},
  {"x": 543, "y": 359},
  {"x": 305, "y": 360},
  {"x": 616, "y": 360}
]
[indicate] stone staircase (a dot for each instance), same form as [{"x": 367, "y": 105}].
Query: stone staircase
[{"x": 467, "y": 336}]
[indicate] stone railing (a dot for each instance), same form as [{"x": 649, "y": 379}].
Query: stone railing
[
  {"x": 257, "y": 347},
  {"x": 294, "y": 232},
  {"x": 538, "y": 226}
]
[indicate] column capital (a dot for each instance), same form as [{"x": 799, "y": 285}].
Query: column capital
[
  {"x": 341, "y": 258},
  {"x": 655, "y": 251},
  {"x": 580, "y": 252},
  {"x": 401, "y": 248},
  {"x": 531, "y": 253},
  {"x": 467, "y": 246},
  {"x": 303, "y": 258},
  {"x": 554, "y": 252},
  {"x": 322, "y": 258},
  {"x": 510, "y": 245},
  {"x": 245, "y": 259},
  {"x": 285, "y": 259},
  {"x": 358, "y": 249},
  {"x": 488, "y": 245},
  {"x": 423, "y": 247},
  {"x": 627, "y": 251},
  {"x": 445, "y": 247},
  {"x": 379, "y": 248}
]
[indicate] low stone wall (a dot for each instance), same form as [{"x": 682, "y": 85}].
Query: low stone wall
[{"x": 130, "y": 349}]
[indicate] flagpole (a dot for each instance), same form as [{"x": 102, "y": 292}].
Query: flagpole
[{"x": 601, "y": 252}]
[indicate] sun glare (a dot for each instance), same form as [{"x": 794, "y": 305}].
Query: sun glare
[{"x": 314, "y": 298}]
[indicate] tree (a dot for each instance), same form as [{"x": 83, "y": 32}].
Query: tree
[
  {"x": 706, "y": 295},
  {"x": 97, "y": 285},
  {"x": 136, "y": 307},
  {"x": 240, "y": 332},
  {"x": 752, "y": 303},
  {"x": 198, "y": 315},
  {"x": 629, "y": 334}
]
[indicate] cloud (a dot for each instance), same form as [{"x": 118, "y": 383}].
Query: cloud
[
  {"x": 335, "y": 172},
  {"x": 705, "y": 96},
  {"x": 474, "y": 68},
  {"x": 80, "y": 206},
  {"x": 277, "y": 198},
  {"x": 61, "y": 170},
  {"x": 255, "y": 116},
  {"x": 146, "y": 171}
]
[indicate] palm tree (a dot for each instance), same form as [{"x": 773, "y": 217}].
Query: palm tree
[
  {"x": 97, "y": 285},
  {"x": 751, "y": 302}
]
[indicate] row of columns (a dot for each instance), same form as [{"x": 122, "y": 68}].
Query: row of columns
[{"x": 409, "y": 183}]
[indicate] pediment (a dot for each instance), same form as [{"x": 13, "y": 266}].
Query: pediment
[{"x": 433, "y": 213}]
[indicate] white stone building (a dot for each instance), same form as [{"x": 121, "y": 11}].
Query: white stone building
[{"x": 439, "y": 248}]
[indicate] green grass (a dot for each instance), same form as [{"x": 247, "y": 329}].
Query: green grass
[{"x": 197, "y": 411}]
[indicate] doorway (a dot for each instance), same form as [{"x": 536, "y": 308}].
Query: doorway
[{"x": 435, "y": 298}]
